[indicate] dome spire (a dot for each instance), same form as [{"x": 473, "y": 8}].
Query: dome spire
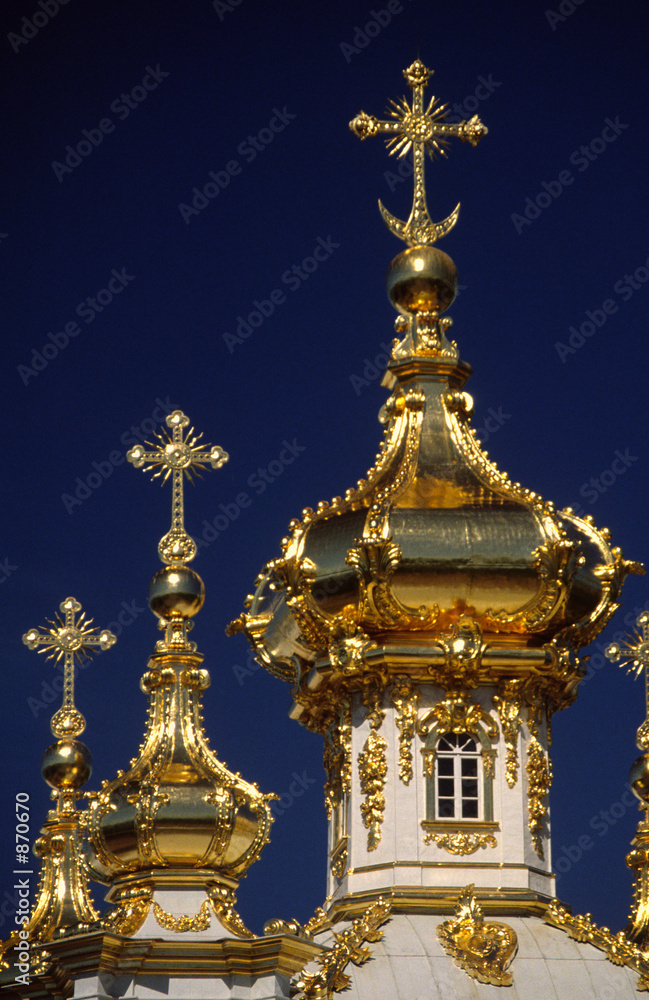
[{"x": 425, "y": 131}]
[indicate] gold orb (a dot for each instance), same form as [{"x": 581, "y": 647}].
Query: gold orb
[
  {"x": 176, "y": 591},
  {"x": 66, "y": 764},
  {"x": 639, "y": 777},
  {"x": 421, "y": 279}
]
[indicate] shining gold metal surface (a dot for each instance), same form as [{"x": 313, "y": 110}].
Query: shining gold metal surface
[
  {"x": 178, "y": 806},
  {"x": 539, "y": 779},
  {"x": 618, "y": 948},
  {"x": 405, "y": 699},
  {"x": 421, "y": 280},
  {"x": 66, "y": 765},
  {"x": 484, "y": 950},
  {"x": 424, "y": 130},
  {"x": 71, "y": 640},
  {"x": 348, "y": 948},
  {"x": 460, "y": 841},
  {"x": 372, "y": 772},
  {"x": 178, "y": 455}
]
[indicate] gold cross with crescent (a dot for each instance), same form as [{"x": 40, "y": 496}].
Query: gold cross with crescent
[
  {"x": 635, "y": 657},
  {"x": 425, "y": 131},
  {"x": 178, "y": 455},
  {"x": 68, "y": 640}
]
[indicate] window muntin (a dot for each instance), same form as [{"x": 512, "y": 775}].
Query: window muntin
[{"x": 458, "y": 778}]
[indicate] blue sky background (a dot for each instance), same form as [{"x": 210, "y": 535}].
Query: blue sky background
[{"x": 307, "y": 374}]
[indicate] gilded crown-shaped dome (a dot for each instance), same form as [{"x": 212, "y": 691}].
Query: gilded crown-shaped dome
[
  {"x": 435, "y": 564},
  {"x": 435, "y": 547},
  {"x": 177, "y": 810},
  {"x": 177, "y": 806}
]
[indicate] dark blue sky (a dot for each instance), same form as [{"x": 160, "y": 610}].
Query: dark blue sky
[{"x": 117, "y": 299}]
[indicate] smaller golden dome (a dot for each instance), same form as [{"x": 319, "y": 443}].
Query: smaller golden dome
[
  {"x": 66, "y": 765},
  {"x": 421, "y": 279},
  {"x": 176, "y": 592}
]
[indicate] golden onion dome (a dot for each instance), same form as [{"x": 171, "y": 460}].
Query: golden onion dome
[
  {"x": 177, "y": 808},
  {"x": 435, "y": 546}
]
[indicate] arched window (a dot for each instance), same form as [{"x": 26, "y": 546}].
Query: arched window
[{"x": 458, "y": 778}]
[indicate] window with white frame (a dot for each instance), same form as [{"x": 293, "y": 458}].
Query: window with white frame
[{"x": 458, "y": 778}]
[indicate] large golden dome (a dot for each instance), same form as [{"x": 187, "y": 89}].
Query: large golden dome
[{"x": 435, "y": 544}]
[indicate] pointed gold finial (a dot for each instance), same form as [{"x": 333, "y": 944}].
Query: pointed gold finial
[
  {"x": 424, "y": 131},
  {"x": 177, "y": 455},
  {"x": 68, "y": 640}
]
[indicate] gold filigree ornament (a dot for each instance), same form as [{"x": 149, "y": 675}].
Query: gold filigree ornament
[
  {"x": 131, "y": 908},
  {"x": 539, "y": 779},
  {"x": 483, "y": 950},
  {"x": 178, "y": 455},
  {"x": 405, "y": 699},
  {"x": 424, "y": 129},
  {"x": 183, "y": 923},
  {"x": 372, "y": 771},
  {"x": 71, "y": 640},
  {"x": 347, "y": 948},
  {"x": 617, "y": 947},
  {"x": 460, "y": 841},
  {"x": 509, "y": 703}
]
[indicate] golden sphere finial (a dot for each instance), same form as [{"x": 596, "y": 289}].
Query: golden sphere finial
[
  {"x": 176, "y": 592},
  {"x": 421, "y": 279},
  {"x": 66, "y": 765}
]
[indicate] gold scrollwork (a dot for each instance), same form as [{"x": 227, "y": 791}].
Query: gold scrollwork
[
  {"x": 183, "y": 923},
  {"x": 539, "y": 778},
  {"x": 347, "y": 948},
  {"x": 223, "y": 901},
  {"x": 460, "y": 841},
  {"x": 483, "y": 950},
  {"x": 372, "y": 771},
  {"x": 617, "y": 947},
  {"x": 463, "y": 649},
  {"x": 130, "y": 910},
  {"x": 457, "y": 714},
  {"x": 374, "y": 561},
  {"x": 405, "y": 699},
  {"x": 508, "y": 703}
]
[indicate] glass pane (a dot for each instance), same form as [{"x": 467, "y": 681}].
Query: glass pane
[
  {"x": 445, "y": 787},
  {"x": 469, "y": 788},
  {"x": 445, "y": 765},
  {"x": 470, "y": 809},
  {"x": 469, "y": 767},
  {"x": 446, "y": 808},
  {"x": 448, "y": 743},
  {"x": 466, "y": 743}
]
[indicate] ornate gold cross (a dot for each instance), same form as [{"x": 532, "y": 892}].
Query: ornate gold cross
[
  {"x": 635, "y": 657},
  {"x": 68, "y": 640},
  {"x": 424, "y": 131},
  {"x": 178, "y": 455}
]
